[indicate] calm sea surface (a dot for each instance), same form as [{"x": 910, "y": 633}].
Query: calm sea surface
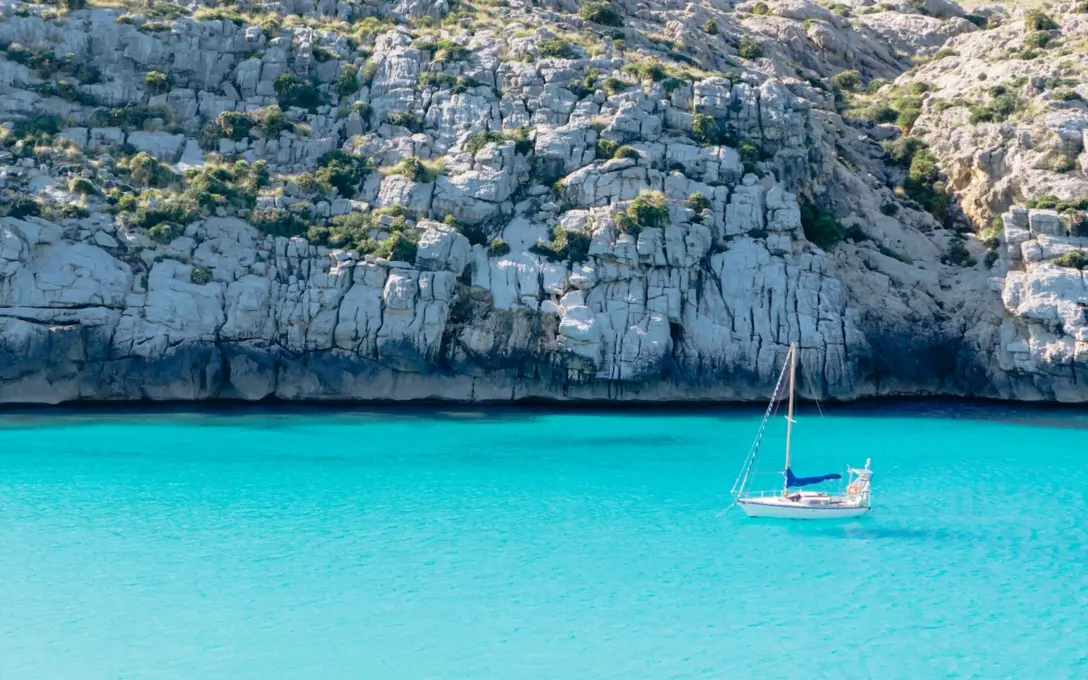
[{"x": 515, "y": 544}]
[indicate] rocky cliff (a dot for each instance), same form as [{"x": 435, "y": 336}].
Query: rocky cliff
[{"x": 505, "y": 200}]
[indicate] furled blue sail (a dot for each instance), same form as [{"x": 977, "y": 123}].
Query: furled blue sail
[{"x": 794, "y": 481}]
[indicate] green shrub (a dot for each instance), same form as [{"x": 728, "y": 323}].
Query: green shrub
[
  {"x": 414, "y": 169},
  {"x": 362, "y": 109},
  {"x": 81, "y": 186},
  {"x": 72, "y": 210},
  {"x": 164, "y": 233},
  {"x": 821, "y": 228},
  {"x": 1038, "y": 40},
  {"x": 958, "y": 254},
  {"x": 73, "y": 5},
  {"x": 156, "y": 27},
  {"x": 990, "y": 259},
  {"x": 555, "y": 48},
  {"x": 463, "y": 84},
  {"x": 564, "y": 245},
  {"x": 1067, "y": 96},
  {"x": 648, "y": 209},
  {"x": 907, "y": 117},
  {"x": 1076, "y": 259},
  {"x": 234, "y": 185},
  {"x": 847, "y": 80},
  {"x": 997, "y": 111},
  {"x": 350, "y": 231},
  {"x": 671, "y": 84},
  {"x": 520, "y": 136},
  {"x": 272, "y": 122},
  {"x": 760, "y": 9},
  {"x": 626, "y": 152},
  {"x": 146, "y": 170},
  {"x": 38, "y": 127},
  {"x": 749, "y": 48},
  {"x": 579, "y": 89},
  {"x": 614, "y": 85},
  {"x": 128, "y": 116},
  {"x": 902, "y": 150},
  {"x": 323, "y": 54},
  {"x": 705, "y": 129},
  {"x": 749, "y": 156},
  {"x": 651, "y": 70},
  {"x": 478, "y": 140},
  {"x": 923, "y": 183},
  {"x": 398, "y": 247},
  {"x": 448, "y": 50},
  {"x": 710, "y": 28},
  {"x": 22, "y": 207},
  {"x": 293, "y": 91},
  {"x": 1037, "y": 20},
  {"x": 698, "y": 202},
  {"x": 156, "y": 83},
  {"x": 855, "y": 234},
  {"x": 370, "y": 69},
  {"x": 606, "y": 148},
  {"x": 280, "y": 222},
  {"x": 342, "y": 171},
  {"x": 219, "y": 14},
  {"x": 978, "y": 20},
  {"x": 600, "y": 13},
  {"x": 348, "y": 82},
  {"x": 882, "y": 114},
  {"x": 44, "y": 61},
  {"x": 498, "y": 248},
  {"x": 890, "y": 209},
  {"x": 200, "y": 276},
  {"x": 235, "y": 125},
  {"x": 437, "y": 80},
  {"x": 405, "y": 119},
  {"x": 1051, "y": 202}
]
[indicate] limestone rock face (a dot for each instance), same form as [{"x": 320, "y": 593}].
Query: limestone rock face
[{"x": 502, "y": 207}]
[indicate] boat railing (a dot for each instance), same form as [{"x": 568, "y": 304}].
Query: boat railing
[
  {"x": 777, "y": 493},
  {"x": 769, "y": 493}
]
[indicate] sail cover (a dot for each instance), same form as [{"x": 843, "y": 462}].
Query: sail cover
[{"x": 794, "y": 481}]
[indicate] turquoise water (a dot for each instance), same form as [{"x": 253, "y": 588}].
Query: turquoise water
[{"x": 507, "y": 545}]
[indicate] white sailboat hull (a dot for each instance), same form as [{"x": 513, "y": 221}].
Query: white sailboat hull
[{"x": 825, "y": 508}]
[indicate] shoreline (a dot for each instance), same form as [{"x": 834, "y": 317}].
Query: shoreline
[{"x": 933, "y": 407}]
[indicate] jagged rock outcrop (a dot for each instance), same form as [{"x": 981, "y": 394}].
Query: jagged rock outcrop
[{"x": 307, "y": 202}]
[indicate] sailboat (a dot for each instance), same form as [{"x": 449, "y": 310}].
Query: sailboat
[{"x": 788, "y": 502}]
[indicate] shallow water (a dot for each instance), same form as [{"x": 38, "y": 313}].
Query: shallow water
[{"x": 534, "y": 544}]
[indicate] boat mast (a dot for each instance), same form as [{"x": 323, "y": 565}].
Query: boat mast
[{"x": 789, "y": 414}]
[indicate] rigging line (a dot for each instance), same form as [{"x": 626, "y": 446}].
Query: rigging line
[
  {"x": 808, "y": 379},
  {"x": 772, "y": 408}
]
